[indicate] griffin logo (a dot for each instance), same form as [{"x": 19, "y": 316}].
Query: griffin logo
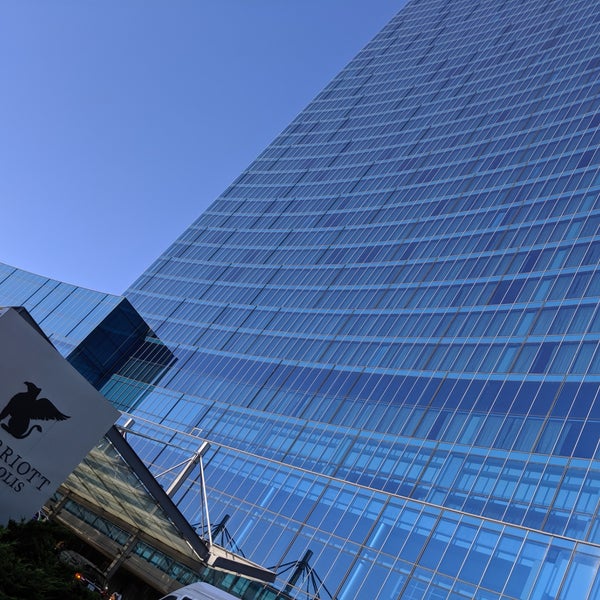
[{"x": 26, "y": 406}]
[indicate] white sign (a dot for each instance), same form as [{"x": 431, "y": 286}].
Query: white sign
[{"x": 50, "y": 418}]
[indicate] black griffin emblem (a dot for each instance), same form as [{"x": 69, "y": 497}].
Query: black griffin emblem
[{"x": 26, "y": 406}]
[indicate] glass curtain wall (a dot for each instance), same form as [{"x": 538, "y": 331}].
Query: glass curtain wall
[{"x": 388, "y": 325}]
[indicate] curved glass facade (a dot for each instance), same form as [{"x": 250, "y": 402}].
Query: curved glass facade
[{"x": 388, "y": 325}]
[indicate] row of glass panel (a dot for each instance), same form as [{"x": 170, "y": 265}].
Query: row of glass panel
[
  {"x": 192, "y": 371},
  {"x": 190, "y": 321},
  {"x": 520, "y": 290},
  {"x": 489, "y": 264},
  {"x": 411, "y": 253},
  {"x": 411, "y": 246},
  {"x": 504, "y": 355}
]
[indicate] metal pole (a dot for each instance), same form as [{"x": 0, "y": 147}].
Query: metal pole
[
  {"x": 220, "y": 527},
  {"x": 301, "y": 567},
  {"x": 205, "y": 503},
  {"x": 179, "y": 480}
]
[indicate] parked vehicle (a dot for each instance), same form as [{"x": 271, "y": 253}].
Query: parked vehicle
[
  {"x": 87, "y": 573},
  {"x": 199, "y": 591}
]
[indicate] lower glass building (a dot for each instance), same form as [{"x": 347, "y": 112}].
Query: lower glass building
[{"x": 387, "y": 327}]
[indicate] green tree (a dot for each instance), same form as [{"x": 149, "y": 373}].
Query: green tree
[{"x": 29, "y": 565}]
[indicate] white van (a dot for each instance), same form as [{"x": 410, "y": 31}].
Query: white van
[{"x": 199, "y": 591}]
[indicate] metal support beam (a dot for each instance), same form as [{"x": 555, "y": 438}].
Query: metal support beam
[
  {"x": 188, "y": 468},
  {"x": 120, "y": 557},
  {"x": 302, "y": 568}
]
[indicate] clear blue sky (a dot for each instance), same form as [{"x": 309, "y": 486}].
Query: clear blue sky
[{"x": 122, "y": 120}]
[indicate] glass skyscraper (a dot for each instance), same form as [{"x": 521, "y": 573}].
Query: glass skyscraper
[{"x": 387, "y": 327}]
